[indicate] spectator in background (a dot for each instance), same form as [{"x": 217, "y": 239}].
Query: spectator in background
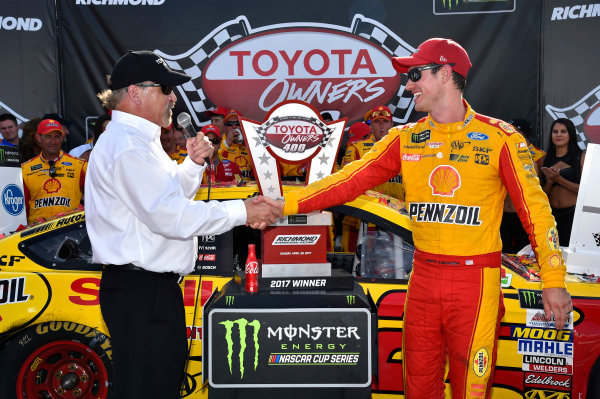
[
  {"x": 232, "y": 146},
  {"x": 221, "y": 170},
  {"x": 217, "y": 117},
  {"x": 512, "y": 233},
  {"x": 29, "y": 146},
  {"x": 561, "y": 174},
  {"x": 83, "y": 151},
  {"x": 53, "y": 181},
  {"x": 169, "y": 144},
  {"x": 179, "y": 136},
  {"x": 9, "y": 128}
]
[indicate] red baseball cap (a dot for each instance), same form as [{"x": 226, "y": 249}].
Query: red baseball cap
[
  {"x": 358, "y": 131},
  {"x": 211, "y": 128},
  {"x": 231, "y": 113},
  {"x": 217, "y": 111},
  {"x": 436, "y": 51},
  {"x": 49, "y": 125},
  {"x": 380, "y": 111}
]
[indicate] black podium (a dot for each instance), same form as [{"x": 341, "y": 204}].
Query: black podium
[{"x": 290, "y": 343}]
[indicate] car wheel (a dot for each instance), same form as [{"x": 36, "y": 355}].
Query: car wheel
[{"x": 56, "y": 359}]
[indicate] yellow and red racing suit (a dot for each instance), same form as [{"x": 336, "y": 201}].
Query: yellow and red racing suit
[
  {"x": 455, "y": 178},
  {"x": 179, "y": 154},
  {"x": 239, "y": 154},
  {"x": 47, "y": 196}
]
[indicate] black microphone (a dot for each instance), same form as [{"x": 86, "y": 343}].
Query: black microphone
[{"x": 185, "y": 121}]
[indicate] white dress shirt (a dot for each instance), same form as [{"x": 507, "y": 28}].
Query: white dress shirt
[
  {"x": 139, "y": 203},
  {"x": 77, "y": 151}
]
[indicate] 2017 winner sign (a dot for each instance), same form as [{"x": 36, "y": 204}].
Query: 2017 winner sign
[{"x": 289, "y": 348}]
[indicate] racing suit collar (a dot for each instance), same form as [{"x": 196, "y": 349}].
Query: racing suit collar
[
  {"x": 44, "y": 160},
  {"x": 453, "y": 127}
]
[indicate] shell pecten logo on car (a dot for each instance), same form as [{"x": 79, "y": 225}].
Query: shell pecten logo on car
[{"x": 22, "y": 298}]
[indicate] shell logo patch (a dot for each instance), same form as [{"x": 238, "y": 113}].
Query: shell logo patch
[
  {"x": 481, "y": 362},
  {"x": 52, "y": 186},
  {"x": 444, "y": 181},
  {"x": 554, "y": 261}
]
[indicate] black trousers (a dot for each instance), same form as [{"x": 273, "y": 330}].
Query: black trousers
[
  {"x": 145, "y": 317},
  {"x": 564, "y": 223}
]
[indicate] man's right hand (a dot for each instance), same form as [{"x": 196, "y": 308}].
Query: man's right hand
[{"x": 262, "y": 211}]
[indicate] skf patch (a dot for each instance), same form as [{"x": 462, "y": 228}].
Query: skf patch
[
  {"x": 420, "y": 137},
  {"x": 481, "y": 362},
  {"x": 482, "y": 159},
  {"x": 552, "y": 238}
]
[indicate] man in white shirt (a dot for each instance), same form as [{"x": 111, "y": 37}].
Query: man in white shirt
[{"x": 142, "y": 223}]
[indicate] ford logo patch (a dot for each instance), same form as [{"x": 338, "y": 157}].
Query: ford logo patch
[
  {"x": 477, "y": 136},
  {"x": 13, "y": 199}
]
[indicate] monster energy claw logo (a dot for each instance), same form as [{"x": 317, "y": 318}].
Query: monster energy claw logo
[
  {"x": 229, "y": 299},
  {"x": 242, "y": 323},
  {"x": 530, "y": 299},
  {"x": 350, "y": 299},
  {"x": 2, "y": 157}
]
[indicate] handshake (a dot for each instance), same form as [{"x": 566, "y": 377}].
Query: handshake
[{"x": 262, "y": 211}]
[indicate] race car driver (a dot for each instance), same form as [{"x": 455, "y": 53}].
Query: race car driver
[
  {"x": 53, "y": 181},
  {"x": 457, "y": 166}
]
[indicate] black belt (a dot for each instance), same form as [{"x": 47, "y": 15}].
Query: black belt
[{"x": 133, "y": 268}]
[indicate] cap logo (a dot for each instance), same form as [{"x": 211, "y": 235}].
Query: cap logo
[
  {"x": 443, "y": 59},
  {"x": 161, "y": 61}
]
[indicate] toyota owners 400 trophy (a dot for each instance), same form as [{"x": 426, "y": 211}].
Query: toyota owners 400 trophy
[{"x": 294, "y": 250}]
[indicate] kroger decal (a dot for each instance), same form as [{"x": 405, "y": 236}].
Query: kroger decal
[{"x": 327, "y": 69}]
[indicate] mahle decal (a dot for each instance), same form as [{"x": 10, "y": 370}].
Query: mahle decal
[{"x": 242, "y": 324}]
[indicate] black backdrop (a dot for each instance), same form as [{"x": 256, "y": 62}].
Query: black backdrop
[{"x": 528, "y": 62}]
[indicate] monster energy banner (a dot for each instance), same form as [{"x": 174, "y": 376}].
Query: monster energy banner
[
  {"x": 9, "y": 156},
  {"x": 289, "y": 348},
  {"x": 530, "y": 299}
]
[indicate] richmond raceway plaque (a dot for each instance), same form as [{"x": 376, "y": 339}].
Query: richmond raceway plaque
[{"x": 287, "y": 348}]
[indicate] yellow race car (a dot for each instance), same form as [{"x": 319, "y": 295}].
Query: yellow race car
[{"x": 54, "y": 343}]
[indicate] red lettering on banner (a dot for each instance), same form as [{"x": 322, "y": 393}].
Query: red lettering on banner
[
  {"x": 311, "y": 58},
  {"x": 256, "y": 66},
  {"x": 78, "y": 287},
  {"x": 240, "y": 60},
  {"x": 290, "y": 62}
]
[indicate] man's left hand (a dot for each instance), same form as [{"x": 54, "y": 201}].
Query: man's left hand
[
  {"x": 198, "y": 148},
  {"x": 557, "y": 301}
]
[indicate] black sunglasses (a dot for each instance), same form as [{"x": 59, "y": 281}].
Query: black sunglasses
[
  {"x": 415, "y": 73},
  {"x": 232, "y": 123},
  {"x": 215, "y": 140},
  {"x": 52, "y": 170},
  {"x": 166, "y": 89}
]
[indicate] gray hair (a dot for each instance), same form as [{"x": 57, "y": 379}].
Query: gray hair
[{"x": 112, "y": 98}]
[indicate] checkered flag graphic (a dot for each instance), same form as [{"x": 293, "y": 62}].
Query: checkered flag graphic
[
  {"x": 597, "y": 238},
  {"x": 402, "y": 102},
  {"x": 193, "y": 61},
  {"x": 577, "y": 112}
]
